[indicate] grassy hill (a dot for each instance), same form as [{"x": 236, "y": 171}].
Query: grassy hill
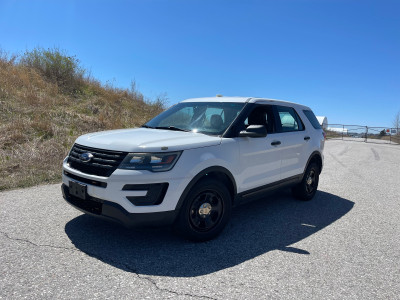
[{"x": 46, "y": 101}]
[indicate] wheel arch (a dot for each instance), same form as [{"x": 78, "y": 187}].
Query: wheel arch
[
  {"x": 217, "y": 172},
  {"x": 317, "y": 158}
]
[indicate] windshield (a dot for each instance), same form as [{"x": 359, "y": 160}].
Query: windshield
[{"x": 211, "y": 118}]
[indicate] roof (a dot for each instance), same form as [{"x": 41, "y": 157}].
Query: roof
[
  {"x": 219, "y": 99},
  {"x": 240, "y": 100}
]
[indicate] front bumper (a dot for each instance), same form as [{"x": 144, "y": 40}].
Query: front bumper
[
  {"x": 133, "y": 190},
  {"x": 114, "y": 212}
]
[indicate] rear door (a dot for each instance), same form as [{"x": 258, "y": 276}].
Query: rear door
[{"x": 293, "y": 138}]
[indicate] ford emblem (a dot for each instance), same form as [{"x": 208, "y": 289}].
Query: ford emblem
[{"x": 85, "y": 157}]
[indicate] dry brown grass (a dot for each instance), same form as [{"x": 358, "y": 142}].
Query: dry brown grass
[{"x": 39, "y": 122}]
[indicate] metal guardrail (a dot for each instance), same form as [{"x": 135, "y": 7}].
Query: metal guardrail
[{"x": 360, "y": 133}]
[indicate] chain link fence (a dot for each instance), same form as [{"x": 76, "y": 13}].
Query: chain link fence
[{"x": 360, "y": 133}]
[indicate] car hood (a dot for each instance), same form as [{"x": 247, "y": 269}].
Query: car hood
[{"x": 146, "y": 139}]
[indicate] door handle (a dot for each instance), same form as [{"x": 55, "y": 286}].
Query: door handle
[
  {"x": 276, "y": 143},
  {"x": 306, "y": 138}
]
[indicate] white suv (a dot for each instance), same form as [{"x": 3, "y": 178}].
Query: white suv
[{"x": 189, "y": 165}]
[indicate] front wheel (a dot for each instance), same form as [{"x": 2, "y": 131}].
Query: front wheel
[
  {"x": 307, "y": 188},
  {"x": 206, "y": 211}
]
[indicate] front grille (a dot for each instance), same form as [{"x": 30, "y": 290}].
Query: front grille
[{"x": 103, "y": 163}]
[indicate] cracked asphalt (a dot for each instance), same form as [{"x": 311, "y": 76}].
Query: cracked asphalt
[{"x": 344, "y": 244}]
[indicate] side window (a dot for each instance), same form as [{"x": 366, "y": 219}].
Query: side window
[
  {"x": 261, "y": 115},
  {"x": 289, "y": 119}
]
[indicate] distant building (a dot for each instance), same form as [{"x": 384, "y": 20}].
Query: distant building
[
  {"x": 338, "y": 129},
  {"x": 323, "y": 121}
]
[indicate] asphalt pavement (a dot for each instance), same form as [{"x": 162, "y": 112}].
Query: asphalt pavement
[{"x": 344, "y": 244}]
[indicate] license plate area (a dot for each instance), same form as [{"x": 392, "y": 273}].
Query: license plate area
[{"x": 77, "y": 189}]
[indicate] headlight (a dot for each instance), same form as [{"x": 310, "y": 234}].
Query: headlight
[{"x": 155, "y": 162}]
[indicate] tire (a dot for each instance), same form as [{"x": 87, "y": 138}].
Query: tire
[
  {"x": 205, "y": 212},
  {"x": 307, "y": 188}
]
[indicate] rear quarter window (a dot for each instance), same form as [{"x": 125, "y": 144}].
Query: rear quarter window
[{"x": 312, "y": 118}]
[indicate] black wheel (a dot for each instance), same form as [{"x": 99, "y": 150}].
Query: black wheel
[
  {"x": 205, "y": 212},
  {"x": 307, "y": 188}
]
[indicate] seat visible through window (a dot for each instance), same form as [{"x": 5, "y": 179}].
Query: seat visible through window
[
  {"x": 262, "y": 116},
  {"x": 216, "y": 121}
]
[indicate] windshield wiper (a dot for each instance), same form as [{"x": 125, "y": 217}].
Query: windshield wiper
[
  {"x": 171, "y": 128},
  {"x": 146, "y": 126}
]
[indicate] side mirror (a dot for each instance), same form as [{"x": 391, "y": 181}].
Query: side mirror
[{"x": 254, "y": 131}]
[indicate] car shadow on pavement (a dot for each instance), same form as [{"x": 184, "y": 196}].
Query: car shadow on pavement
[{"x": 273, "y": 223}]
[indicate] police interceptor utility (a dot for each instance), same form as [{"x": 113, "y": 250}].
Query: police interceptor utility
[{"x": 191, "y": 164}]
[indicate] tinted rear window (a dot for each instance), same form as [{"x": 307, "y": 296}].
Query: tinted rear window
[{"x": 312, "y": 118}]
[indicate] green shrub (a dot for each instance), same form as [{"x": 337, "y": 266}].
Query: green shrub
[{"x": 57, "y": 67}]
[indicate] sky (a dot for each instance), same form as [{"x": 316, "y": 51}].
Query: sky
[{"x": 339, "y": 57}]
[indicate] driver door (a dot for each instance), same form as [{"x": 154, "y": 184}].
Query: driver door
[{"x": 260, "y": 159}]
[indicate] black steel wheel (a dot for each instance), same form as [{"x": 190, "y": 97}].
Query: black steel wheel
[
  {"x": 307, "y": 188},
  {"x": 311, "y": 182},
  {"x": 205, "y": 212}
]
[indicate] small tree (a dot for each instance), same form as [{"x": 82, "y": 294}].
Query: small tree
[
  {"x": 396, "y": 120},
  {"x": 383, "y": 132},
  {"x": 56, "y": 66}
]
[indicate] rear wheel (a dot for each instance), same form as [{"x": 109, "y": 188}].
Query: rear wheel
[
  {"x": 307, "y": 188},
  {"x": 206, "y": 211}
]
